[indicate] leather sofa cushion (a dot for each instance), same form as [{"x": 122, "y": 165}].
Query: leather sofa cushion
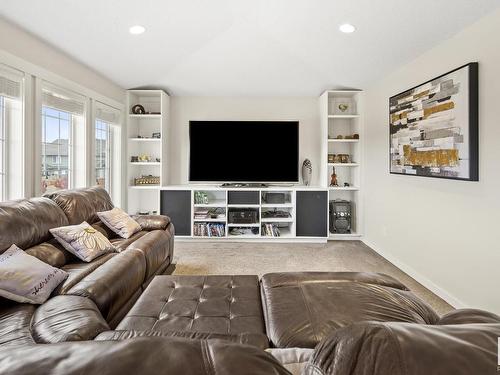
[
  {"x": 81, "y": 205},
  {"x": 215, "y": 304},
  {"x": 15, "y": 321},
  {"x": 152, "y": 222},
  {"x": 155, "y": 248},
  {"x": 26, "y": 222},
  {"x": 51, "y": 252},
  {"x": 468, "y": 316},
  {"x": 121, "y": 244},
  {"x": 403, "y": 348},
  {"x": 78, "y": 270},
  {"x": 67, "y": 318},
  {"x": 113, "y": 283},
  {"x": 293, "y": 359},
  {"x": 255, "y": 339},
  {"x": 303, "y": 308},
  {"x": 142, "y": 355}
]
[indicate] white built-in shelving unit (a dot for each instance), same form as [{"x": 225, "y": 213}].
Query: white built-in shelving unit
[
  {"x": 140, "y": 129},
  {"x": 334, "y": 123}
]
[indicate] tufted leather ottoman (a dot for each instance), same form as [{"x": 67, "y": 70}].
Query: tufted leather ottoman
[{"x": 211, "y": 304}]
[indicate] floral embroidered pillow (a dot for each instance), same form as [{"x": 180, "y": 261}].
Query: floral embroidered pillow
[
  {"x": 83, "y": 241},
  {"x": 119, "y": 222},
  {"x": 26, "y": 279}
]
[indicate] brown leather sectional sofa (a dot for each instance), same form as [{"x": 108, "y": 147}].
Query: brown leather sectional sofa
[
  {"x": 96, "y": 295},
  {"x": 123, "y": 316}
]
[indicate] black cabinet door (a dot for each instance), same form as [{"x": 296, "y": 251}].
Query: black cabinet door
[
  {"x": 177, "y": 205},
  {"x": 312, "y": 214}
]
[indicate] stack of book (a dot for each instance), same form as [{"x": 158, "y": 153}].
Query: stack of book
[
  {"x": 203, "y": 214},
  {"x": 209, "y": 230},
  {"x": 270, "y": 230}
]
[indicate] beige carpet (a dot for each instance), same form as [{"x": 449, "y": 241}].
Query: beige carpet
[{"x": 226, "y": 258}]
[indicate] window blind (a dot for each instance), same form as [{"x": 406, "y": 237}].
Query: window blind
[
  {"x": 107, "y": 113},
  {"x": 62, "y": 100},
  {"x": 10, "y": 82}
]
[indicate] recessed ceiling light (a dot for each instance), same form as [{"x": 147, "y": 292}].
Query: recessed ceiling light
[
  {"x": 137, "y": 29},
  {"x": 347, "y": 28}
]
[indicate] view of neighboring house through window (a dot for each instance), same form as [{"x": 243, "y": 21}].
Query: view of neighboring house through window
[
  {"x": 56, "y": 130},
  {"x": 63, "y": 157},
  {"x": 102, "y": 154}
]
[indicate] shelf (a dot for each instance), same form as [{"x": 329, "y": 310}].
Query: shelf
[
  {"x": 144, "y": 187},
  {"x": 277, "y": 205},
  {"x": 344, "y": 140},
  {"x": 276, "y": 220},
  {"x": 343, "y": 116},
  {"x": 145, "y": 163},
  {"x": 343, "y": 164},
  {"x": 211, "y": 220},
  {"x": 243, "y": 236},
  {"x": 254, "y": 225},
  {"x": 131, "y": 115},
  {"x": 335, "y": 236},
  {"x": 345, "y": 188},
  {"x": 243, "y": 205},
  {"x": 145, "y": 139},
  {"x": 218, "y": 203},
  {"x": 284, "y": 233}
]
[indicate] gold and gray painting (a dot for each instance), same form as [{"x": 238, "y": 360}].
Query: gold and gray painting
[{"x": 429, "y": 128}]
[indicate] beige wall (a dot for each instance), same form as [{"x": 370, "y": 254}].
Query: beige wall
[
  {"x": 184, "y": 109},
  {"x": 28, "y": 47},
  {"x": 447, "y": 233}
]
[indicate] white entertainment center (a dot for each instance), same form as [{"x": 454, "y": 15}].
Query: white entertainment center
[{"x": 301, "y": 215}]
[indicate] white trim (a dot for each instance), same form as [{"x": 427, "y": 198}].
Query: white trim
[
  {"x": 440, "y": 292},
  {"x": 35, "y": 70}
]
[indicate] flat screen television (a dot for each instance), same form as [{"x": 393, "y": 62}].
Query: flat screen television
[{"x": 244, "y": 151}]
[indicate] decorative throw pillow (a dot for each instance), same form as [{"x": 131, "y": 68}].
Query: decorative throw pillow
[
  {"x": 83, "y": 241},
  {"x": 25, "y": 279},
  {"x": 119, "y": 222}
]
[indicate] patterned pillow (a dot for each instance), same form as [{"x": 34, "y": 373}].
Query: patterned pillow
[
  {"x": 83, "y": 241},
  {"x": 119, "y": 222},
  {"x": 25, "y": 279}
]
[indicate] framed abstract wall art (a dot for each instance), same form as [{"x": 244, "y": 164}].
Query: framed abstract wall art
[{"x": 434, "y": 127}]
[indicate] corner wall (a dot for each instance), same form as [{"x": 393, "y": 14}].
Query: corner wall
[{"x": 444, "y": 233}]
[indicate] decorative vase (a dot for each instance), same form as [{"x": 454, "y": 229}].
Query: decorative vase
[{"x": 306, "y": 172}]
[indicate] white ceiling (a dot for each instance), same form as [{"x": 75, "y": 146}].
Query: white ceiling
[{"x": 244, "y": 47}]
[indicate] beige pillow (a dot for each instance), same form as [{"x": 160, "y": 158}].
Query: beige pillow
[
  {"x": 25, "y": 279},
  {"x": 119, "y": 222},
  {"x": 83, "y": 241}
]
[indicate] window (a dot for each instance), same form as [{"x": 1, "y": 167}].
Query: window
[
  {"x": 56, "y": 130},
  {"x": 11, "y": 133},
  {"x": 107, "y": 134},
  {"x": 103, "y": 153},
  {"x": 63, "y": 140},
  {"x": 2, "y": 148}
]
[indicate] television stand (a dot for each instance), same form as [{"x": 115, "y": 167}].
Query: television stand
[{"x": 243, "y": 185}]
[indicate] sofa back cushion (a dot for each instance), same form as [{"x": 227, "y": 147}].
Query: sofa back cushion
[
  {"x": 81, "y": 205},
  {"x": 26, "y": 222}
]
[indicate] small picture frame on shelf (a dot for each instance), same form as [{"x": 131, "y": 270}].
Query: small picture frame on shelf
[{"x": 344, "y": 106}]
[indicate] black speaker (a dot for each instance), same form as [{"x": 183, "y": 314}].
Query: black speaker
[
  {"x": 275, "y": 198},
  {"x": 340, "y": 216}
]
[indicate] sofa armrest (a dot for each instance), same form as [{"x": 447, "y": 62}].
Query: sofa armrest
[
  {"x": 468, "y": 316},
  {"x": 152, "y": 222},
  {"x": 67, "y": 318},
  {"x": 407, "y": 348},
  {"x": 255, "y": 339}
]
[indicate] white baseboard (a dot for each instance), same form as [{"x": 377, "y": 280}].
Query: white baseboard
[{"x": 453, "y": 301}]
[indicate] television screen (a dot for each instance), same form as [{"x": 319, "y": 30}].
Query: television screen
[{"x": 244, "y": 151}]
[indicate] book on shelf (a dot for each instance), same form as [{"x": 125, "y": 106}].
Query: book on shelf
[
  {"x": 209, "y": 230},
  {"x": 270, "y": 230}
]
